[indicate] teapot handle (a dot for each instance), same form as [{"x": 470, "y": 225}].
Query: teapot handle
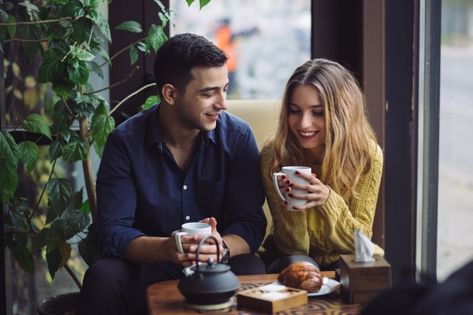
[{"x": 198, "y": 249}]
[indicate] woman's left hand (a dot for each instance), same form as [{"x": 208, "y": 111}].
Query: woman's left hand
[{"x": 317, "y": 192}]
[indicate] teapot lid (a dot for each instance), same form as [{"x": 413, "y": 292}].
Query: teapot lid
[{"x": 211, "y": 267}]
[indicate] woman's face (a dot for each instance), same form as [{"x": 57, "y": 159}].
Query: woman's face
[{"x": 306, "y": 118}]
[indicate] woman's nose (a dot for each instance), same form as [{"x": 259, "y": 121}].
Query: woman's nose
[{"x": 306, "y": 120}]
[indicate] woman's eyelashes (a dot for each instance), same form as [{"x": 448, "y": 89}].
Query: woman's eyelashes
[
  {"x": 314, "y": 112},
  {"x": 318, "y": 112}
]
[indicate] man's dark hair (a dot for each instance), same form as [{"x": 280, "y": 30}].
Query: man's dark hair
[{"x": 177, "y": 56}]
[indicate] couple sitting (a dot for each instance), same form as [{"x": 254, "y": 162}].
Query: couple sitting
[{"x": 188, "y": 160}]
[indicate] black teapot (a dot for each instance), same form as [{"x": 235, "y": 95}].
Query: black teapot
[{"x": 210, "y": 283}]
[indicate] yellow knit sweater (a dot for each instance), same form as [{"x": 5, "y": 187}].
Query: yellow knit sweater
[{"x": 324, "y": 232}]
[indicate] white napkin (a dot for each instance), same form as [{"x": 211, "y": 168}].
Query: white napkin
[{"x": 364, "y": 248}]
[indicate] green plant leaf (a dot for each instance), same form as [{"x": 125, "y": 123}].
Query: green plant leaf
[
  {"x": 78, "y": 72},
  {"x": 103, "y": 26},
  {"x": 38, "y": 240},
  {"x": 59, "y": 192},
  {"x": 22, "y": 254},
  {"x": 55, "y": 150},
  {"x": 3, "y": 34},
  {"x": 60, "y": 30},
  {"x": 51, "y": 68},
  {"x": 97, "y": 69},
  {"x": 81, "y": 29},
  {"x": 29, "y": 153},
  {"x": 73, "y": 8},
  {"x": 151, "y": 101},
  {"x": 88, "y": 247},
  {"x": 9, "y": 155},
  {"x": 53, "y": 258},
  {"x": 189, "y": 2},
  {"x": 164, "y": 17},
  {"x": 37, "y": 123},
  {"x": 11, "y": 28},
  {"x": 63, "y": 88},
  {"x": 82, "y": 54},
  {"x": 77, "y": 199},
  {"x": 85, "y": 207},
  {"x": 133, "y": 55},
  {"x": 203, "y": 3},
  {"x": 156, "y": 37},
  {"x": 18, "y": 217},
  {"x": 29, "y": 6},
  {"x": 3, "y": 16},
  {"x": 74, "y": 151},
  {"x": 142, "y": 47},
  {"x": 102, "y": 125},
  {"x": 8, "y": 147},
  {"x": 130, "y": 26},
  {"x": 73, "y": 222},
  {"x": 55, "y": 235},
  {"x": 62, "y": 117}
]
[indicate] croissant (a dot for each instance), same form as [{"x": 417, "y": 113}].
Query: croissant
[{"x": 301, "y": 275}]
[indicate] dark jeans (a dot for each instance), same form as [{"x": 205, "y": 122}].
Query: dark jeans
[{"x": 115, "y": 286}]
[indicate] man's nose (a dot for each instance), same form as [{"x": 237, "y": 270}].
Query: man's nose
[{"x": 221, "y": 102}]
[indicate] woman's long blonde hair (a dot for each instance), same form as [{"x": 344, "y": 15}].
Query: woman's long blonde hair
[{"x": 349, "y": 142}]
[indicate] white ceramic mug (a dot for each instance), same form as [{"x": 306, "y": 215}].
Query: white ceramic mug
[
  {"x": 191, "y": 228},
  {"x": 290, "y": 171}
]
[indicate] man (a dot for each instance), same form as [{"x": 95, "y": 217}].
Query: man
[{"x": 184, "y": 160}]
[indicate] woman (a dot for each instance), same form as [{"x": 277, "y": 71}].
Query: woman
[{"x": 323, "y": 125}]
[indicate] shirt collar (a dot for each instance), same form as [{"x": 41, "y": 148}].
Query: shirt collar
[{"x": 154, "y": 134}]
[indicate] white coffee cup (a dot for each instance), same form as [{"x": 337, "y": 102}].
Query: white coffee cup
[
  {"x": 290, "y": 171},
  {"x": 191, "y": 228}
]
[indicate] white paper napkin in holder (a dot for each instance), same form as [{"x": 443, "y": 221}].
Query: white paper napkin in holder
[{"x": 364, "y": 248}]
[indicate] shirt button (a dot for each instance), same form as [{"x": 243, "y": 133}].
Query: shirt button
[
  {"x": 188, "y": 217},
  {"x": 184, "y": 187}
]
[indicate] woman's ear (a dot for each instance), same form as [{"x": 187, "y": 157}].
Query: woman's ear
[{"x": 169, "y": 93}]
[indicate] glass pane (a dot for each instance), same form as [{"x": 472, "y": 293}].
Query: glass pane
[
  {"x": 455, "y": 207},
  {"x": 265, "y": 40}
]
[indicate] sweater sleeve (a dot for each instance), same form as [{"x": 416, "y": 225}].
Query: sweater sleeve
[
  {"x": 344, "y": 218},
  {"x": 289, "y": 232}
]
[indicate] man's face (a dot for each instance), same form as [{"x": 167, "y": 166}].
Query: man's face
[{"x": 204, "y": 98}]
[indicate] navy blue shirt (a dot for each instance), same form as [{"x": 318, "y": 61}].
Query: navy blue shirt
[{"x": 142, "y": 191}]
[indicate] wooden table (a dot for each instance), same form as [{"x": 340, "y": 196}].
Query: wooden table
[{"x": 165, "y": 298}]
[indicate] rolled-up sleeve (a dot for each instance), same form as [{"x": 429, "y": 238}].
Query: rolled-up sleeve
[
  {"x": 116, "y": 199},
  {"x": 244, "y": 195}
]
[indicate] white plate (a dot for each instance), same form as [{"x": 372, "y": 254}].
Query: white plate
[{"x": 328, "y": 286}]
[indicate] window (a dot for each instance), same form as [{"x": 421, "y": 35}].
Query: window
[
  {"x": 455, "y": 189},
  {"x": 265, "y": 40}
]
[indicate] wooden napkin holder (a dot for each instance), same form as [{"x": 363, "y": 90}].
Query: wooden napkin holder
[
  {"x": 361, "y": 281},
  {"x": 271, "y": 302}
]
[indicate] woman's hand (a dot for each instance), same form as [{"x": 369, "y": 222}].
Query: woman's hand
[{"x": 317, "y": 192}]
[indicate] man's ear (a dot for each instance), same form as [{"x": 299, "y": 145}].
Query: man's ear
[{"x": 169, "y": 93}]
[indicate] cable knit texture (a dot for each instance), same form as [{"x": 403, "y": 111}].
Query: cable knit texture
[{"x": 324, "y": 232}]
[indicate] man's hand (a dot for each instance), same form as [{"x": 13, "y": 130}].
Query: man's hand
[
  {"x": 190, "y": 244},
  {"x": 209, "y": 249}
]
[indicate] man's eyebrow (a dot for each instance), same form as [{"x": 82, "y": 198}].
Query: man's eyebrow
[
  {"x": 209, "y": 88},
  {"x": 212, "y": 88}
]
